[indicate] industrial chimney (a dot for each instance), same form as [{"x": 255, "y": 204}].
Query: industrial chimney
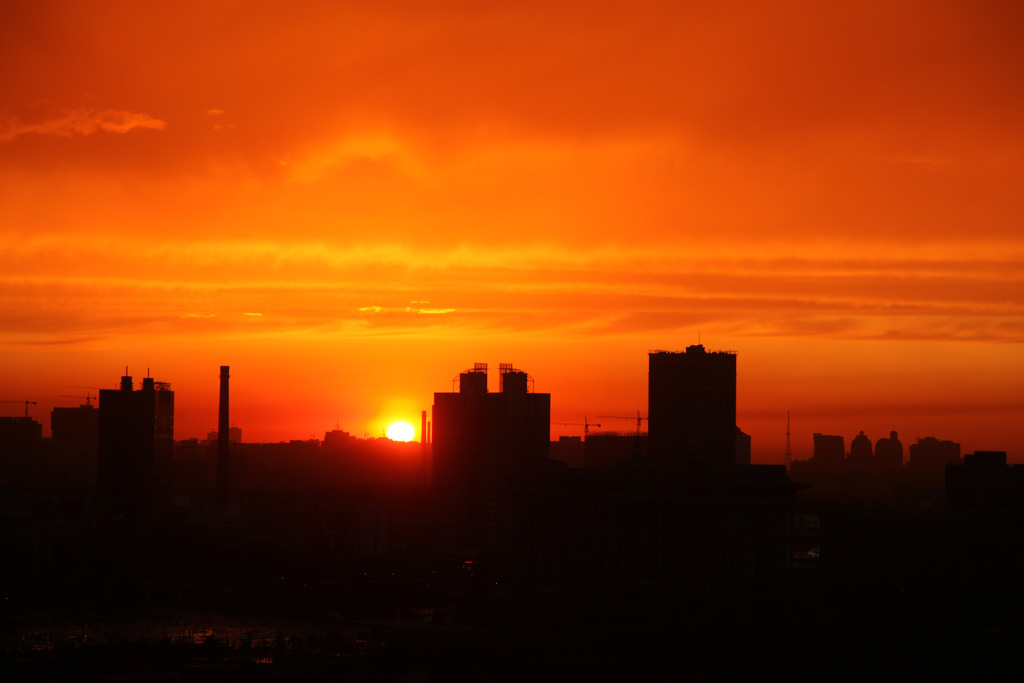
[{"x": 223, "y": 444}]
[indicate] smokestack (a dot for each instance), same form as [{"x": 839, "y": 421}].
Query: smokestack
[
  {"x": 223, "y": 444},
  {"x": 424, "y": 469}
]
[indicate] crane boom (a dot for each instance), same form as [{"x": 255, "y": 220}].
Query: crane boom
[
  {"x": 586, "y": 424},
  {"x": 25, "y": 402},
  {"x": 620, "y": 417}
]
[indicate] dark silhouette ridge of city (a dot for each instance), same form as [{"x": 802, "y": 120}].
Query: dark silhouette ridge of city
[{"x": 613, "y": 554}]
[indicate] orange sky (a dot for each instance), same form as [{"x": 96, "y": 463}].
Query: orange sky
[{"x": 350, "y": 204}]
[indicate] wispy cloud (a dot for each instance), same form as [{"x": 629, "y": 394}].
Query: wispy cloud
[
  {"x": 929, "y": 163},
  {"x": 598, "y": 292},
  {"x": 75, "y": 121},
  {"x": 381, "y": 149}
]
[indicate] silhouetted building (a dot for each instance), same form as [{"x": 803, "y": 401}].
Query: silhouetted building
[
  {"x": 889, "y": 453},
  {"x": 984, "y": 482},
  {"x": 338, "y": 440},
  {"x": 483, "y": 446},
  {"x": 603, "y": 450},
  {"x": 651, "y": 524},
  {"x": 826, "y": 464},
  {"x": 19, "y": 437},
  {"x": 743, "y": 447},
  {"x": 81, "y": 424},
  {"x": 926, "y": 466},
  {"x": 74, "y": 446},
  {"x": 829, "y": 448},
  {"x": 568, "y": 449},
  {"x": 692, "y": 406},
  {"x": 930, "y": 452},
  {"x": 860, "y": 451},
  {"x": 136, "y": 441}
]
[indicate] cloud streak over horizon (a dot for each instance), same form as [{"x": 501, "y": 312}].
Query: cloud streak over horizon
[
  {"x": 75, "y": 121},
  {"x": 594, "y": 292}
]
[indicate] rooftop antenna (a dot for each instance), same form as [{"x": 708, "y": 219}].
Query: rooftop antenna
[{"x": 788, "y": 458}]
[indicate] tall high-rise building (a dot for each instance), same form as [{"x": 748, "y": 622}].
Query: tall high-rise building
[
  {"x": 484, "y": 444},
  {"x": 136, "y": 440},
  {"x": 691, "y": 404}
]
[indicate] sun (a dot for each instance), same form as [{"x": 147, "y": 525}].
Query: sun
[{"x": 401, "y": 431}]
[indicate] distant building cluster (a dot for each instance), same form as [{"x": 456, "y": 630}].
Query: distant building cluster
[{"x": 882, "y": 470}]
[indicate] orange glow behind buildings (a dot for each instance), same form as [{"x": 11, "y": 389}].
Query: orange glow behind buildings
[{"x": 350, "y": 204}]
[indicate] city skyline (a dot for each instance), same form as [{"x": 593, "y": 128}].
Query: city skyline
[
  {"x": 803, "y": 448},
  {"x": 349, "y": 204}
]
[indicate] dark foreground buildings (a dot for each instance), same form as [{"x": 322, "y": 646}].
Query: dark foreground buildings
[
  {"x": 688, "y": 521},
  {"x": 136, "y": 441},
  {"x": 637, "y": 561}
]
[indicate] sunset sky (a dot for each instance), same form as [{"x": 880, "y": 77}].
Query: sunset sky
[{"x": 350, "y": 203}]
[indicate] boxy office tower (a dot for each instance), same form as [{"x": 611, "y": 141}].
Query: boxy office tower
[
  {"x": 483, "y": 446},
  {"x": 692, "y": 407},
  {"x": 136, "y": 440}
]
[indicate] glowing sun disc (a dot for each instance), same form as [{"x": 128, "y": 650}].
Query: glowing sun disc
[{"x": 401, "y": 431}]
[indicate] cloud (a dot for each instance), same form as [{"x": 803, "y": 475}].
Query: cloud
[
  {"x": 51, "y": 286},
  {"x": 80, "y": 121},
  {"x": 362, "y": 150}
]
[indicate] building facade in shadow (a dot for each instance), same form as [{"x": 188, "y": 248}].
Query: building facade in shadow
[
  {"x": 136, "y": 441},
  {"x": 692, "y": 406},
  {"x": 484, "y": 444}
]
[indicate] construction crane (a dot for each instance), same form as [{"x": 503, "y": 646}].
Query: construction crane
[
  {"x": 637, "y": 449},
  {"x": 88, "y": 398},
  {"x": 585, "y": 424},
  {"x": 25, "y": 402},
  {"x": 619, "y": 417}
]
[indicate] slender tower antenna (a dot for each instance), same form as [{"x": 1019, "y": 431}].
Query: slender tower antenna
[{"x": 788, "y": 458}]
